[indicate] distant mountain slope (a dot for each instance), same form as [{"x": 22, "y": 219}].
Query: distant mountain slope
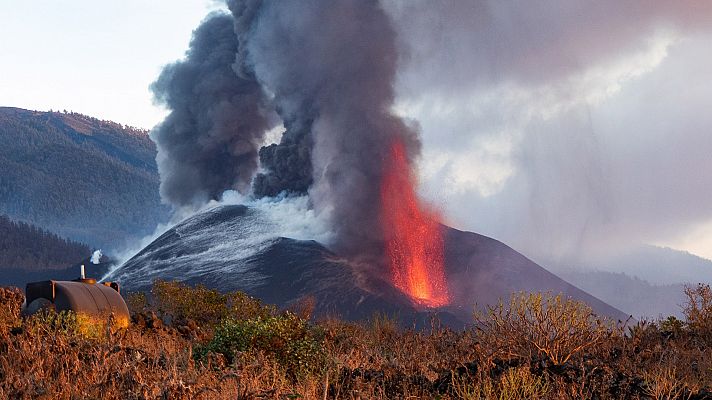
[
  {"x": 654, "y": 264},
  {"x": 643, "y": 280},
  {"x": 237, "y": 248},
  {"x": 483, "y": 270},
  {"x": 658, "y": 265},
  {"x": 636, "y": 296},
  {"x": 28, "y": 247},
  {"x": 90, "y": 180}
]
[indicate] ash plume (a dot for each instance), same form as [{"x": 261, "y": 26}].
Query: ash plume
[
  {"x": 326, "y": 69},
  {"x": 209, "y": 142},
  {"x": 330, "y": 66},
  {"x": 287, "y": 165}
]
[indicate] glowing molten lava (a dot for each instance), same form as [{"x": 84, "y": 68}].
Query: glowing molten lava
[{"x": 414, "y": 243}]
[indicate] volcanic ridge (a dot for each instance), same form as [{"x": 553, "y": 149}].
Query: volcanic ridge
[{"x": 237, "y": 247}]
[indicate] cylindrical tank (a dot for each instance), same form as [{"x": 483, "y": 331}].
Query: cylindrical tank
[{"x": 100, "y": 301}]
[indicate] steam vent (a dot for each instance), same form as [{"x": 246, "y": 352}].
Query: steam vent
[{"x": 98, "y": 301}]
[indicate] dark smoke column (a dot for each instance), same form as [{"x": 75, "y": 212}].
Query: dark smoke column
[
  {"x": 287, "y": 165},
  {"x": 209, "y": 141},
  {"x": 332, "y": 64}
]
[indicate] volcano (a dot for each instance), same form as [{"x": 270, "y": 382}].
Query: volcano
[{"x": 238, "y": 247}]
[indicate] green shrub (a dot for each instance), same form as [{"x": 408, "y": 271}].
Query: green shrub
[
  {"x": 291, "y": 340},
  {"x": 242, "y": 306},
  {"x": 671, "y": 325},
  {"x": 137, "y": 302},
  {"x": 182, "y": 301},
  {"x": 65, "y": 323},
  {"x": 205, "y": 306}
]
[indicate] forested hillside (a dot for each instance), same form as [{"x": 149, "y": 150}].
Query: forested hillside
[
  {"x": 82, "y": 178},
  {"x": 25, "y": 246}
]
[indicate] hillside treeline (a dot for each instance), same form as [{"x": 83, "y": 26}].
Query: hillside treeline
[
  {"x": 26, "y": 246},
  {"x": 82, "y": 178}
]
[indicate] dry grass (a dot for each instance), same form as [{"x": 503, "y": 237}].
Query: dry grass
[{"x": 193, "y": 343}]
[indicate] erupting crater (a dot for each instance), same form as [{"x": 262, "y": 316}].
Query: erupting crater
[{"x": 414, "y": 242}]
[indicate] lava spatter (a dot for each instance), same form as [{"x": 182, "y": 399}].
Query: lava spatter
[{"x": 414, "y": 243}]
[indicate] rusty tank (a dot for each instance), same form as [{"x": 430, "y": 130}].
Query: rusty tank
[{"x": 85, "y": 296}]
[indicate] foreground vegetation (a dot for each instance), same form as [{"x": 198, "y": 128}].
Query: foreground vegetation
[{"x": 195, "y": 343}]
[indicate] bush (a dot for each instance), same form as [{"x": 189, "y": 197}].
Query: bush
[
  {"x": 513, "y": 384},
  {"x": 137, "y": 302},
  {"x": 198, "y": 303},
  {"x": 541, "y": 326},
  {"x": 203, "y": 305},
  {"x": 663, "y": 383},
  {"x": 520, "y": 383},
  {"x": 69, "y": 324},
  {"x": 293, "y": 343},
  {"x": 698, "y": 310},
  {"x": 534, "y": 347},
  {"x": 241, "y": 306},
  {"x": 11, "y": 300},
  {"x": 671, "y": 326}
]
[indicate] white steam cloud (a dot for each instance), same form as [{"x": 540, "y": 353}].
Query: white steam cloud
[{"x": 96, "y": 257}]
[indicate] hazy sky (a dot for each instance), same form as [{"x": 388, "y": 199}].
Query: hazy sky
[
  {"x": 565, "y": 127},
  {"x": 560, "y": 127},
  {"x": 93, "y": 57}
]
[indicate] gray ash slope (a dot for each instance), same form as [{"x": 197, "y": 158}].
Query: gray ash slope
[
  {"x": 483, "y": 270},
  {"x": 238, "y": 248}
]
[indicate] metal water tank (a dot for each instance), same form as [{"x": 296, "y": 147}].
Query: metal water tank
[{"x": 100, "y": 301}]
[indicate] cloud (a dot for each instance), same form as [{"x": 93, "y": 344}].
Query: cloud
[
  {"x": 454, "y": 46},
  {"x": 562, "y": 127}
]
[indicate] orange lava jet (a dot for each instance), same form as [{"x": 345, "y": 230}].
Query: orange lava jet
[{"x": 414, "y": 243}]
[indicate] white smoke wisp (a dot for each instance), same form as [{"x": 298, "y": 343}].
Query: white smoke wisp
[
  {"x": 96, "y": 257},
  {"x": 292, "y": 217}
]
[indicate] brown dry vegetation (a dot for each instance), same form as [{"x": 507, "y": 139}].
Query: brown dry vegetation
[{"x": 196, "y": 343}]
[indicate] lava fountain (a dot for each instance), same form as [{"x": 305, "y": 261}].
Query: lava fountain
[{"x": 414, "y": 243}]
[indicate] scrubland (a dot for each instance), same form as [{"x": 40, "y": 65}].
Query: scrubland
[{"x": 196, "y": 343}]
